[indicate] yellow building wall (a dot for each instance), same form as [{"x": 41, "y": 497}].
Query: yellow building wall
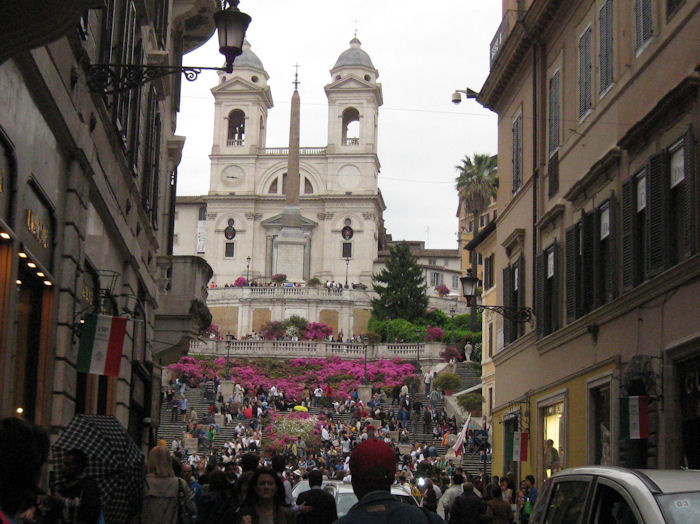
[
  {"x": 226, "y": 318},
  {"x": 329, "y": 317},
  {"x": 575, "y": 433},
  {"x": 361, "y": 320},
  {"x": 261, "y": 316}
]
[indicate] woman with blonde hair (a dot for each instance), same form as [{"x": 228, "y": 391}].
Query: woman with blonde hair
[{"x": 161, "y": 502}]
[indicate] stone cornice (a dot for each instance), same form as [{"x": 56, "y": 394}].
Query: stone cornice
[
  {"x": 550, "y": 216},
  {"x": 516, "y": 237},
  {"x": 594, "y": 175}
]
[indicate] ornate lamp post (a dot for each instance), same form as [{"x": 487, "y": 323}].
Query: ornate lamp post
[
  {"x": 347, "y": 266},
  {"x": 516, "y": 314},
  {"x": 229, "y": 337}
]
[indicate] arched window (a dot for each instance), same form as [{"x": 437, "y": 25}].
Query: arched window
[
  {"x": 273, "y": 187},
  {"x": 351, "y": 127},
  {"x": 236, "y": 128},
  {"x": 308, "y": 188}
]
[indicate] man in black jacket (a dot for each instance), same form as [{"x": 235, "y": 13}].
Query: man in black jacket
[
  {"x": 468, "y": 507},
  {"x": 78, "y": 495},
  {"x": 316, "y": 506}
]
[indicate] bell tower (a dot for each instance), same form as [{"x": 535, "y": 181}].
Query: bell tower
[
  {"x": 354, "y": 97},
  {"x": 241, "y": 102}
]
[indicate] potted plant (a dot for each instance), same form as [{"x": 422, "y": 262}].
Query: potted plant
[
  {"x": 471, "y": 401},
  {"x": 313, "y": 282},
  {"x": 448, "y": 382},
  {"x": 278, "y": 278}
]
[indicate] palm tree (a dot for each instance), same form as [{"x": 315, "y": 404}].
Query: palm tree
[{"x": 477, "y": 183}]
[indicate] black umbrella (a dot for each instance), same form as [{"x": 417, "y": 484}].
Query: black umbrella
[{"x": 115, "y": 462}]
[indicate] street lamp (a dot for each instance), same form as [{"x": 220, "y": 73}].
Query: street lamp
[
  {"x": 347, "y": 266},
  {"x": 231, "y": 25},
  {"x": 229, "y": 337},
  {"x": 365, "y": 378},
  {"x": 247, "y": 272},
  {"x": 516, "y": 314}
]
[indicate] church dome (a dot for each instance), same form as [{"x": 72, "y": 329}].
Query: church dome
[
  {"x": 248, "y": 59},
  {"x": 354, "y": 56}
]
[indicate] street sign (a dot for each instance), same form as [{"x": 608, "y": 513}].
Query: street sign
[{"x": 481, "y": 437}]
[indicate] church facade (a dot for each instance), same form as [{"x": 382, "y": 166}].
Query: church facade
[{"x": 328, "y": 194}]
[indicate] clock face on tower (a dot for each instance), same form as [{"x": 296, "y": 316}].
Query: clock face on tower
[{"x": 346, "y": 232}]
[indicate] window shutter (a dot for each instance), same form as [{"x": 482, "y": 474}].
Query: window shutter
[
  {"x": 553, "y": 174},
  {"x": 689, "y": 210},
  {"x": 584, "y": 73},
  {"x": 606, "y": 45},
  {"x": 598, "y": 299},
  {"x": 657, "y": 214},
  {"x": 611, "y": 262},
  {"x": 554, "y": 116},
  {"x": 643, "y": 21},
  {"x": 571, "y": 257},
  {"x": 629, "y": 212},
  {"x": 588, "y": 269},
  {"x": 540, "y": 274},
  {"x": 519, "y": 328},
  {"x": 555, "y": 308},
  {"x": 517, "y": 153},
  {"x": 507, "y": 297}
]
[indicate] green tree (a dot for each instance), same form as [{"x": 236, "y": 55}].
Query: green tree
[{"x": 400, "y": 287}]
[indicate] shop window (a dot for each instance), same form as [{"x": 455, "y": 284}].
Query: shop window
[
  {"x": 553, "y": 438},
  {"x": 229, "y": 249},
  {"x": 236, "y": 128},
  {"x": 347, "y": 249},
  {"x": 600, "y": 423}
]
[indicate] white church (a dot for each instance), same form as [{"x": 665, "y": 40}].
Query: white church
[{"x": 302, "y": 212}]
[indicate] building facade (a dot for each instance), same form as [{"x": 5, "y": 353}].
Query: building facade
[
  {"x": 597, "y": 231},
  {"x": 87, "y": 181}
]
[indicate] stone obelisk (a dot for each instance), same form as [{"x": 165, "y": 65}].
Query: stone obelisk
[{"x": 290, "y": 243}]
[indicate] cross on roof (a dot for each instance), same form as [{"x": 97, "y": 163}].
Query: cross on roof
[
  {"x": 356, "y": 21},
  {"x": 296, "y": 77}
]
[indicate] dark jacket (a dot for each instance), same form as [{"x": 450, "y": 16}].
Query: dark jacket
[
  {"x": 498, "y": 511},
  {"x": 323, "y": 507},
  {"x": 380, "y": 507},
  {"x": 467, "y": 509},
  {"x": 85, "y": 489}
]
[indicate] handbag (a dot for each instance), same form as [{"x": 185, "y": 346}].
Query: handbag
[{"x": 183, "y": 512}]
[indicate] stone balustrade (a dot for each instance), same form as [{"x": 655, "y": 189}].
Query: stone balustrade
[{"x": 427, "y": 352}]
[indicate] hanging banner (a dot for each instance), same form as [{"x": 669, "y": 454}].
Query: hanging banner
[
  {"x": 101, "y": 345},
  {"x": 634, "y": 417},
  {"x": 516, "y": 446}
]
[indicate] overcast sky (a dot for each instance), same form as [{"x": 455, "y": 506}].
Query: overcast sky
[{"x": 423, "y": 51}]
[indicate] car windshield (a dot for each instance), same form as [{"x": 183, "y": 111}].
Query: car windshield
[{"x": 679, "y": 508}]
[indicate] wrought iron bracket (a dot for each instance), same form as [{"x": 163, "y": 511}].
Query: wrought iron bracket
[
  {"x": 520, "y": 315},
  {"x": 117, "y": 78}
]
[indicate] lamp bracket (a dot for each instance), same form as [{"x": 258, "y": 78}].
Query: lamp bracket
[
  {"x": 520, "y": 315},
  {"x": 117, "y": 78}
]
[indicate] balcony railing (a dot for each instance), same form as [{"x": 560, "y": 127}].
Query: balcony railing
[
  {"x": 285, "y": 151},
  {"x": 272, "y": 292},
  {"x": 351, "y": 141},
  {"x": 504, "y": 30},
  {"x": 291, "y": 349},
  {"x": 235, "y": 142}
]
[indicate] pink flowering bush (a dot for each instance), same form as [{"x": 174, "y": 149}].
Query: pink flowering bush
[
  {"x": 278, "y": 277},
  {"x": 240, "y": 282},
  {"x": 273, "y": 330},
  {"x": 449, "y": 353},
  {"x": 434, "y": 334},
  {"x": 316, "y": 331},
  {"x": 294, "y": 375},
  {"x": 442, "y": 289}
]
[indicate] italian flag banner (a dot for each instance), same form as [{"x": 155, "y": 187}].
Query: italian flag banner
[
  {"x": 516, "y": 446},
  {"x": 634, "y": 417},
  {"x": 101, "y": 345}
]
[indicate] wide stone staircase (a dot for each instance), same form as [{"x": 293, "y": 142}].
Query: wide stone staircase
[{"x": 170, "y": 429}]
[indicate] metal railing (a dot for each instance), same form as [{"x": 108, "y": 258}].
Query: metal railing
[
  {"x": 503, "y": 32},
  {"x": 250, "y": 291}
]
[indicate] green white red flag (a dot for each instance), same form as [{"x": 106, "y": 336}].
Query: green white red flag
[
  {"x": 634, "y": 417},
  {"x": 101, "y": 345},
  {"x": 462, "y": 437},
  {"x": 516, "y": 446}
]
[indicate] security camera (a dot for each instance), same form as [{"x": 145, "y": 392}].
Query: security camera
[{"x": 456, "y": 97}]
